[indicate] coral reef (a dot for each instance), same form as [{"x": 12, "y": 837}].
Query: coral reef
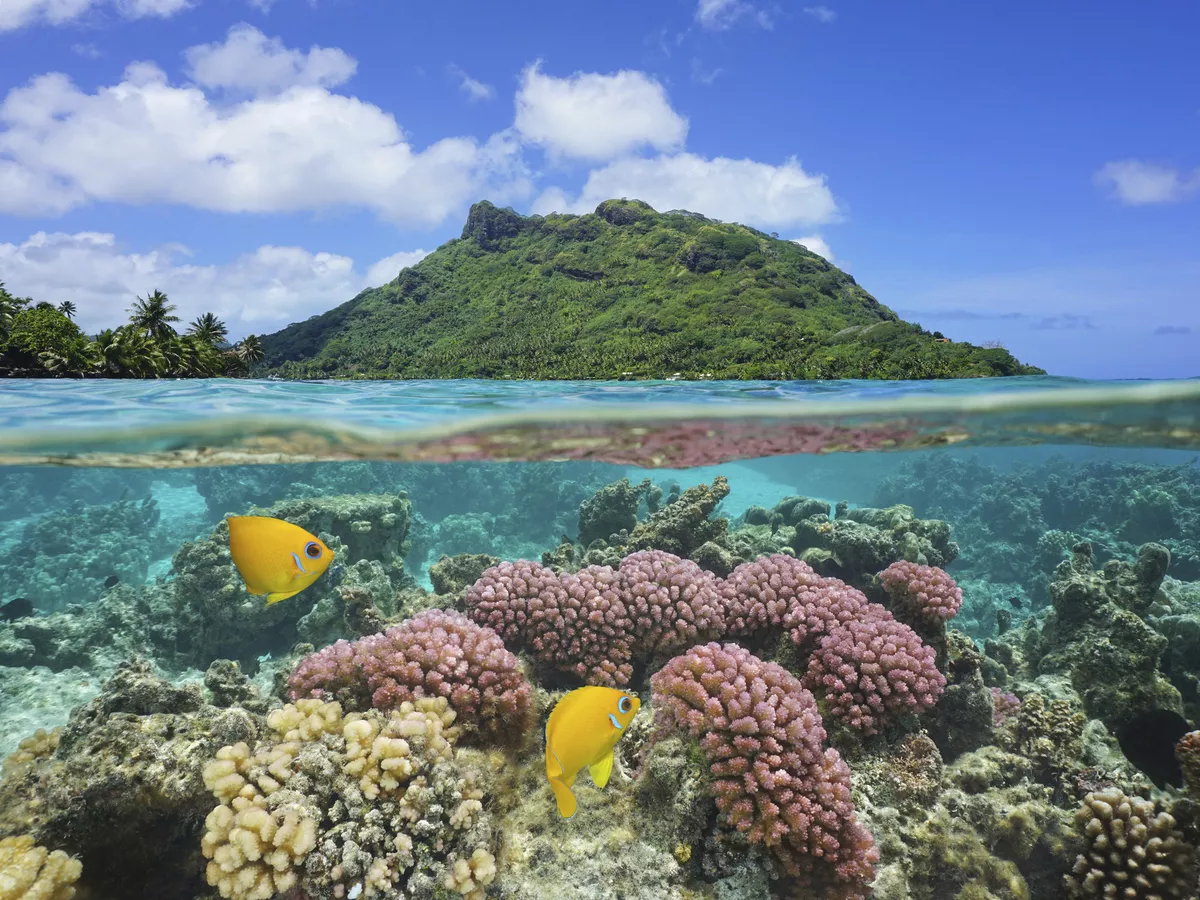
[
  {"x": 216, "y": 618},
  {"x": 874, "y": 669},
  {"x": 1133, "y": 850},
  {"x": 1095, "y": 636},
  {"x": 29, "y": 872},
  {"x": 435, "y": 654},
  {"x": 1187, "y": 751},
  {"x": 66, "y": 555},
  {"x": 122, "y": 790},
  {"x": 774, "y": 780},
  {"x": 347, "y": 805},
  {"x": 925, "y": 593},
  {"x": 407, "y": 762}
]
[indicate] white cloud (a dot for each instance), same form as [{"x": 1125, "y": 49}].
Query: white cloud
[
  {"x": 20, "y": 13},
  {"x": 817, "y": 245},
  {"x": 87, "y": 51},
  {"x": 1141, "y": 183},
  {"x": 258, "y": 292},
  {"x": 248, "y": 60},
  {"x": 733, "y": 190},
  {"x": 717, "y": 15},
  {"x": 596, "y": 117},
  {"x": 389, "y": 267},
  {"x": 138, "y": 9},
  {"x": 473, "y": 88},
  {"x": 822, "y": 14},
  {"x": 145, "y": 140}
]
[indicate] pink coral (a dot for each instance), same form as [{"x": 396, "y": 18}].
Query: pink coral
[
  {"x": 435, "y": 654},
  {"x": 575, "y": 623},
  {"x": 874, "y": 669},
  {"x": 780, "y": 590},
  {"x": 599, "y": 628},
  {"x": 598, "y": 622},
  {"x": 1187, "y": 751},
  {"x": 673, "y": 602},
  {"x": 924, "y": 592},
  {"x": 1005, "y": 705},
  {"x": 519, "y": 600},
  {"x": 774, "y": 780}
]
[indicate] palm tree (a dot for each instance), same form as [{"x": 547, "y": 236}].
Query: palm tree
[
  {"x": 154, "y": 316},
  {"x": 8, "y": 309},
  {"x": 209, "y": 329},
  {"x": 67, "y": 308},
  {"x": 128, "y": 353},
  {"x": 249, "y": 349}
]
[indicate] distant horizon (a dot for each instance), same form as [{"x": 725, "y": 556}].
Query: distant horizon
[{"x": 267, "y": 161}]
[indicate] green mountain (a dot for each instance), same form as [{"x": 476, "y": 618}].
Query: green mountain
[{"x": 622, "y": 292}]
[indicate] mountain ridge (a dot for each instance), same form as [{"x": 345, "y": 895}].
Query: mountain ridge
[{"x": 623, "y": 292}]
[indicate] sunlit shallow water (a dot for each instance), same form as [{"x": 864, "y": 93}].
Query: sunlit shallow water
[{"x": 1067, "y": 512}]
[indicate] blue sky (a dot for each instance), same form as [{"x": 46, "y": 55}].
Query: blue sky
[{"x": 1023, "y": 173}]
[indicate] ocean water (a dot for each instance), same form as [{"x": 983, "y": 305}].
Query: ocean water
[{"x": 929, "y": 640}]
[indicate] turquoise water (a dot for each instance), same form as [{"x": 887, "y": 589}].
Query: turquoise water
[{"x": 1066, "y": 511}]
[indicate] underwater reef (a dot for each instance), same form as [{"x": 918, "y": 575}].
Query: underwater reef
[{"x": 829, "y": 707}]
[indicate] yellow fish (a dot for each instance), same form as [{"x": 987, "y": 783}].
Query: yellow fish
[
  {"x": 275, "y": 557},
  {"x": 582, "y": 731}
]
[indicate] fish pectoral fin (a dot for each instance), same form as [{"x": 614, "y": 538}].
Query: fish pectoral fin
[
  {"x": 564, "y": 798},
  {"x": 280, "y": 595},
  {"x": 602, "y": 770}
]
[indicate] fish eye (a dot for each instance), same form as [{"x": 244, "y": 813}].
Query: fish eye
[
  {"x": 312, "y": 550},
  {"x": 624, "y": 705}
]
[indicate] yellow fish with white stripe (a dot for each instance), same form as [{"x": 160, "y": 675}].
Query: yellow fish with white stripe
[
  {"x": 275, "y": 557},
  {"x": 582, "y": 731}
]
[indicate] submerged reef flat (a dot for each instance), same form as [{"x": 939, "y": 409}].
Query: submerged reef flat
[{"x": 836, "y": 701}]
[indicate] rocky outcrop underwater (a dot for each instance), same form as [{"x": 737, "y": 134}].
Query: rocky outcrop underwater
[{"x": 813, "y": 721}]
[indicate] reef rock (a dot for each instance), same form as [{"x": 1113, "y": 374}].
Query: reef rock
[
  {"x": 217, "y": 618},
  {"x": 123, "y": 791},
  {"x": 1095, "y": 636}
]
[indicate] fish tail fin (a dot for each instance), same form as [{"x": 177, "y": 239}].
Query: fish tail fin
[
  {"x": 601, "y": 771},
  {"x": 564, "y": 797},
  {"x": 280, "y": 595}
]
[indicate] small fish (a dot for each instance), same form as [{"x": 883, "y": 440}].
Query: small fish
[
  {"x": 582, "y": 731},
  {"x": 111, "y": 581},
  {"x": 20, "y": 608},
  {"x": 275, "y": 557},
  {"x": 1015, "y": 602}
]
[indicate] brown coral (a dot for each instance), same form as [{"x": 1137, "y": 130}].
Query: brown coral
[{"x": 1134, "y": 851}]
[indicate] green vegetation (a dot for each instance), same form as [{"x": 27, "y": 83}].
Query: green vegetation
[
  {"x": 39, "y": 340},
  {"x": 622, "y": 292}
]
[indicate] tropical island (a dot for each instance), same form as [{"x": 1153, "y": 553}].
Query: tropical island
[
  {"x": 625, "y": 292},
  {"x": 40, "y": 340}
]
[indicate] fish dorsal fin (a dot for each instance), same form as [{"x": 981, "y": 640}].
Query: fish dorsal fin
[{"x": 601, "y": 770}]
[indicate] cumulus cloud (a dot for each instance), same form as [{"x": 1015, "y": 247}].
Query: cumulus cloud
[
  {"x": 822, "y": 14},
  {"x": 472, "y": 87},
  {"x": 247, "y": 60},
  {"x": 257, "y": 292},
  {"x": 146, "y": 140},
  {"x": 733, "y": 190},
  {"x": 1138, "y": 183},
  {"x": 596, "y": 117},
  {"x": 19, "y": 13},
  {"x": 817, "y": 245},
  {"x": 389, "y": 267}
]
